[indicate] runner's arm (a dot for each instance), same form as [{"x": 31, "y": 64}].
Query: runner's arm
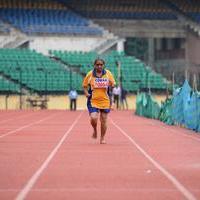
[{"x": 86, "y": 91}]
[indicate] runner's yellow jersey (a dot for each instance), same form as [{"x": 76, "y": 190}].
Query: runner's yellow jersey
[{"x": 99, "y": 88}]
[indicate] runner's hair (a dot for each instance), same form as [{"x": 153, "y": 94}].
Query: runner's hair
[{"x": 99, "y": 59}]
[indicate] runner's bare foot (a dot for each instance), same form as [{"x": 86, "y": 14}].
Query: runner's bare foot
[{"x": 102, "y": 141}]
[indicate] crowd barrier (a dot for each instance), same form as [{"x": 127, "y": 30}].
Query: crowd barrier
[{"x": 183, "y": 108}]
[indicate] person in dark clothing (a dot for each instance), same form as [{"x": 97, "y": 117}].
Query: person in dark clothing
[{"x": 124, "y": 104}]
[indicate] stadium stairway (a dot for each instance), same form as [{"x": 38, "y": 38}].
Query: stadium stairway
[
  {"x": 105, "y": 45},
  {"x": 16, "y": 39},
  {"x": 109, "y": 39}
]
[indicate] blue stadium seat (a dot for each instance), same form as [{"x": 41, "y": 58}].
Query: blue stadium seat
[{"x": 48, "y": 21}]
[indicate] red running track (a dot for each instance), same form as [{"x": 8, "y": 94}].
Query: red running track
[{"x": 51, "y": 155}]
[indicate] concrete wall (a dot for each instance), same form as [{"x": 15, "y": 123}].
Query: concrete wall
[
  {"x": 61, "y": 102},
  {"x": 193, "y": 49},
  {"x": 44, "y": 43},
  {"x": 12, "y": 102}
]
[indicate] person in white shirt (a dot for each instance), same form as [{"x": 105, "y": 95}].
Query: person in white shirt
[
  {"x": 116, "y": 94},
  {"x": 73, "y": 97}
]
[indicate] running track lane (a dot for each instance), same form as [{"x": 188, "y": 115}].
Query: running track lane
[
  {"x": 14, "y": 115},
  {"x": 174, "y": 148},
  {"x": 13, "y": 126},
  {"x": 23, "y": 152},
  {"x": 175, "y": 129},
  {"x": 83, "y": 169}
]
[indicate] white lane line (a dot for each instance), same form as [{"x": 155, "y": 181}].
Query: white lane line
[
  {"x": 26, "y": 126},
  {"x": 24, "y": 192},
  {"x": 95, "y": 189},
  {"x": 117, "y": 189},
  {"x": 16, "y": 118},
  {"x": 169, "y": 176}
]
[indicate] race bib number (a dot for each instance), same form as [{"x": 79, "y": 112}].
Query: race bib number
[{"x": 101, "y": 83}]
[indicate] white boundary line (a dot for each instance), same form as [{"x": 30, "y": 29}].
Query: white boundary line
[
  {"x": 25, "y": 126},
  {"x": 125, "y": 189},
  {"x": 24, "y": 192},
  {"x": 169, "y": 176},
  {"x": 15, "y": 118}
]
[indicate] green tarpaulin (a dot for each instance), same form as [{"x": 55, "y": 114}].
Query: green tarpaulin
[{"x": 146, "y": 106}]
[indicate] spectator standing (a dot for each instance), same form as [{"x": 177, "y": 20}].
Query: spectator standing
[
  {"x": 116, "y": 95},
  {"x": 73, "y": 98},
  {"x": 123, "y": 99}
]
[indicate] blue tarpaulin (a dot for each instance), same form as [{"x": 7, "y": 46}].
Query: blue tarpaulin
[{"x": 186, "y": 107}]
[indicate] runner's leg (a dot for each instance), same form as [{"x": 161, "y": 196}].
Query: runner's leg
[
  {"x": 103, "y": 119},
  {"x": 93, "y": 121}
]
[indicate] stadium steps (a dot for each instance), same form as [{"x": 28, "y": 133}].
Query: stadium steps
[
  {"x": 17, "y": 42},
  {"x": 109, "y": 39},
  {"x": 16, "y": 38},
  {"x": 106, "y": 45},
  {"x": 106, "y": 33}
]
